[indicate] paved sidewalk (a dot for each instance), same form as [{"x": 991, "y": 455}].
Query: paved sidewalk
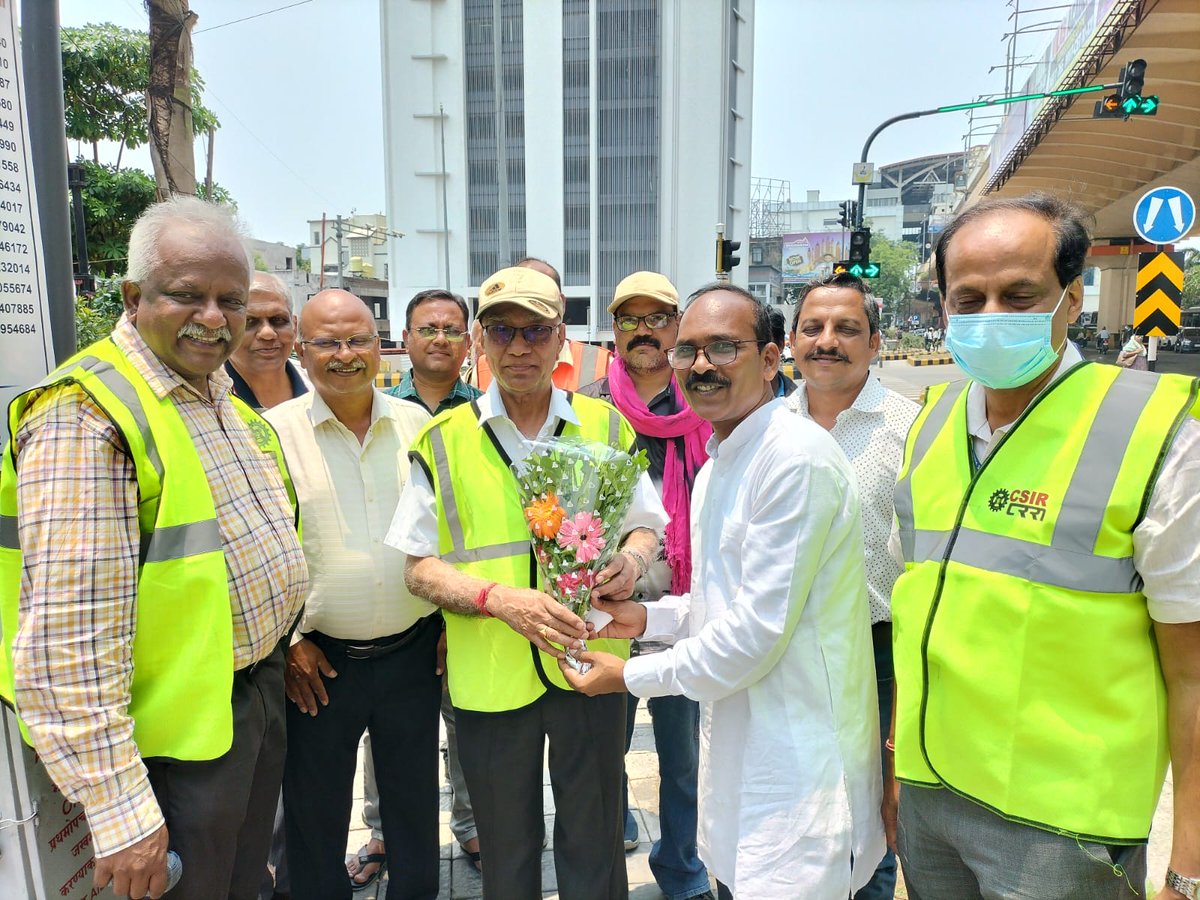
[{"x": 460, "y": 881}]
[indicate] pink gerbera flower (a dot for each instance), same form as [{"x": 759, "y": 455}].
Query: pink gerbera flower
[
  {"x": 584, "y": 534},
  {"x": 569, "y": 583}
]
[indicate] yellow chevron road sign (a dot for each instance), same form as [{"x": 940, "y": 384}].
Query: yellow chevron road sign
[{"x": 1159, "y": 294}]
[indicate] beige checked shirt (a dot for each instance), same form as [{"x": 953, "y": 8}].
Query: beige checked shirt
[{"x": 77, "y": 498}]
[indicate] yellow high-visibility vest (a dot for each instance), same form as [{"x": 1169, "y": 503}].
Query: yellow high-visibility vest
[
  {"x": 183, "y": 644},
  {"x": 1027, "y": 673},
  {"x": 482, "y": 531}
]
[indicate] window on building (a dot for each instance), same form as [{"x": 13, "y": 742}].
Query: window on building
[
  {"x": 756, "y": 254},
  {"x": 287, "y": 263},
  {"x": 577, "y": 184}
]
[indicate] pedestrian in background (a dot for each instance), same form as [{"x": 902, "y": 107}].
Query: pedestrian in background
[{"x": 158, "y": 570}]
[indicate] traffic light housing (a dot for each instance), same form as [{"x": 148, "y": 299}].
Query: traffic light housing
[
  {"x": 860, "y": 247},
  {"x": 1128, "y": 100},
  {"x": 726, "y": 254},
  {"x": 1113, "y": 107},
  {"x": 847, "y": 213},
  {"x": 1133, "y": 78}
]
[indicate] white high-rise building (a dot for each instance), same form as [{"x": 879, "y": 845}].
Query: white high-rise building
[{"x": 604, "y": 136}]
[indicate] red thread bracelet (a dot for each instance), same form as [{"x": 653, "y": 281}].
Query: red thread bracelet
[{"x": 481, "y": 599}]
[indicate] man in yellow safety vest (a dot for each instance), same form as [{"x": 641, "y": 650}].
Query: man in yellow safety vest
[
  {"x": 461, "y": 523},
  {"x": 1047, "y": 624}
]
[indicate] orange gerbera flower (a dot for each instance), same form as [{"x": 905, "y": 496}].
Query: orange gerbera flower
[{"x": 545, "y": 516}]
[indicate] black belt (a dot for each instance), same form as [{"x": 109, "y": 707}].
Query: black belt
[{"x": 372, "y": 648}]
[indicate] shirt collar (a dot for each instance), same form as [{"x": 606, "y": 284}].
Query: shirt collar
[
  {"x": 161, "y": 378},
  {"x": 491, "y": 406},
  {"x": 870, "y": 400},
  {"x": 745, "y": 432},
  {"x": 320, "y": 413},
  {"x": 977, "y": 421}
]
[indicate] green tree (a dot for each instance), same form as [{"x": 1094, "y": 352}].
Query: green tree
[
  {"x": 112, "y": 201},
  {"x": 96, "y": 315},
  {"x": 106, "y": 74},
  {"x": 1191, "y": 278},
  {"x": 897, "y": 261}
]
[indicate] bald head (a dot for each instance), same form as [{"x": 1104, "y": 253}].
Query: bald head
[{"x": 333, "y": 305}]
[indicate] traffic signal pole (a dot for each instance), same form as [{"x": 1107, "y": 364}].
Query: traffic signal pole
[{"x": 958, "y": 107}]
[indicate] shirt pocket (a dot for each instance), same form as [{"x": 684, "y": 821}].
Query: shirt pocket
[{"x": 733, "y": 537}]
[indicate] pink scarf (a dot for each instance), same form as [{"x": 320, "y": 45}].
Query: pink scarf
[{"x": 678, "y": 473}]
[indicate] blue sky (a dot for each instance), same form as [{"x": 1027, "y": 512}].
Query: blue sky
[{"x": 298, "y": 93}]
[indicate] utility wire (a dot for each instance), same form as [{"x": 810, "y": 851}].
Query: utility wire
[{"x": 248, "y": 18}]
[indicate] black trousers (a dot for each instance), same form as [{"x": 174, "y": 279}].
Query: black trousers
[
  {"x": 396, "y": 697},
  {"x": 219, "y": 812},
  {"x": 501, "y": 756}
]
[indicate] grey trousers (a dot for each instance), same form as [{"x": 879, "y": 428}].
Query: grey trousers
[
  {"x": 219, "y": 812},
  {"x": 954, "y": 849},
  {"x": 462, "y": 818}
]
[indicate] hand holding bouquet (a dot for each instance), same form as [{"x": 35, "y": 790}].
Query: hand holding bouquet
[{"x": 576, "y": 495}]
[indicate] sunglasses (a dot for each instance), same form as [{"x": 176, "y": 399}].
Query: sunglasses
[{"x": 534, "y": 335}]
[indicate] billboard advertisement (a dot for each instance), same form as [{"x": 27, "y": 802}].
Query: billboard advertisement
[{"x": 811, "y": 254}]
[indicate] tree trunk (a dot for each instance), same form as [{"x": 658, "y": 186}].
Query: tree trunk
[
  {"x": 96, "y": 152},
  {"x": 169, "y": 99}
]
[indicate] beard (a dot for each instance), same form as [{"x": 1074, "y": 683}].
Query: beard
[{"x": 643, "y": 363}]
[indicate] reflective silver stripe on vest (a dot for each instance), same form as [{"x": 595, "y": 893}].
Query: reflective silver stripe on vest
[
  {"x": 587, "y": 365},
  {"x": 930, "y": 429},
  {"x": 179, "y": 541},
  {"x": 10, "y": 535},
  {"x": 123, "y": 390},
  {"x": 441, "y": 462},
  {"x": 1086, "y": 498},
  {"x": 489, "y": 552},
  {"x": 1031, "y": 561},
  {"x": 614, "y": 430}
]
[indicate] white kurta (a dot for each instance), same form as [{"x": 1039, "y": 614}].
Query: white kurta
[{"x": 775, "y": 640}]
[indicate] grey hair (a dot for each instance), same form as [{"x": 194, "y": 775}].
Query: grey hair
[
  {"x": 270, "y": 283},
  {"x": 177, "y": 210}
]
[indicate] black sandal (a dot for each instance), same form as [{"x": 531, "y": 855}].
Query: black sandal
[{"x": 364, "y": 860}]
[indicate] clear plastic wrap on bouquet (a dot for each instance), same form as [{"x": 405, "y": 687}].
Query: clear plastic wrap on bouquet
[{"x": 575, "y": 495}]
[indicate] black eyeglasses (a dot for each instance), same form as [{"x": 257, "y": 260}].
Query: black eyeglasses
[
  {"x": 429, "y": 333},
  {"x": 654, "y": 321},
  {"x": 533, "y": 334},
  {"x": 719, "y": 353},
  {"x": 332, "y": 345}
]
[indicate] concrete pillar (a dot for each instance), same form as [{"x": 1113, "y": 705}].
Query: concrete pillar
[{"x": 1118, "y": 288}]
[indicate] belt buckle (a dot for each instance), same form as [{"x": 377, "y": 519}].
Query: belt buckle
[{"x": 359, "y": 651}]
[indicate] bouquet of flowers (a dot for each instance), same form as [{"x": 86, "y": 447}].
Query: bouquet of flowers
[{"x": 576, "y": 495}]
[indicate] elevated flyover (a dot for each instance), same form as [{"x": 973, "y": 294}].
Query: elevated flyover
[{"x": 1105, "y": 165}]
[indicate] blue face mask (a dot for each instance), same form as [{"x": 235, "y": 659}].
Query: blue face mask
[{"x": 1003, "y": 350}]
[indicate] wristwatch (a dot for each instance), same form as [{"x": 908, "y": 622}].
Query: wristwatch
[{"x": 1189, "y": 887}]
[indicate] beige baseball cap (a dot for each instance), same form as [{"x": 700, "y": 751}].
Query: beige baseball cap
[
  {"x": 527, "y": 288},
  {"x": 644, "y": 284}
]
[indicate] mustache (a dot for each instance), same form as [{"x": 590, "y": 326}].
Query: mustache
[
  {"x": 706, "y": 378},
  {"x": 644, "y": 340},
  {"x": 836, "y": 354},
  {"x": 192, "y": 330},
  {"x": 335, "y": 366}
]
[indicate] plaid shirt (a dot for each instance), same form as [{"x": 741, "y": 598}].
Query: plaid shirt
[
  {"x": 460, "y": 393},
  {"x": 72, "y": 654}
]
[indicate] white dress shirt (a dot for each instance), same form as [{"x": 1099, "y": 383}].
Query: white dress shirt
[
  {"x": 871, "y": 432},
  {"x": 347, "y": 494},
  {"x": 414, "y": 528},
  {"x": 1166, "y": 552},
  {"x": 774, "y": 639}
]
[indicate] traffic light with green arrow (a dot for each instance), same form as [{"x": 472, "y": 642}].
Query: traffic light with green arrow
[{"x": 1128, "y": 100}]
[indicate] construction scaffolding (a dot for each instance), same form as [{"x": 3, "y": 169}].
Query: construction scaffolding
[{"x": 769, "y": 200}]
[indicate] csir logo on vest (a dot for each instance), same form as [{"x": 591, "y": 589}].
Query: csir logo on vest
[{"x": 1019, "y": 502}]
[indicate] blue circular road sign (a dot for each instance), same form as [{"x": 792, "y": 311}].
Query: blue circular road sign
[{"x": 1164, "y": 215}]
